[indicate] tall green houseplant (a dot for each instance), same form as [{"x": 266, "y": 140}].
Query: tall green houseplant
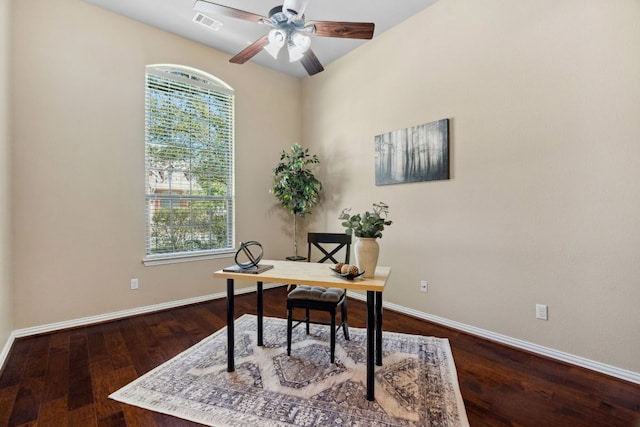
[{"x": 295, "y": 186}]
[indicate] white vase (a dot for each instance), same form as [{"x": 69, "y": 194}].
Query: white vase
[{"x": 366, "y": 250}]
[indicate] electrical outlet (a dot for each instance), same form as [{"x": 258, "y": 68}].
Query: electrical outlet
[
  {"x": 134, "y": 283},
  {"x": 423, "y": 286},
  {"x": 542, "y": 312}
]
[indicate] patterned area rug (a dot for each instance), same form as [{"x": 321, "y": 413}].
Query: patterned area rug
[{"x": 416, "y": 386}]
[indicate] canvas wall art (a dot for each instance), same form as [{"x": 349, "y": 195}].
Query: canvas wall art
[{"x": 418, "y": 153}]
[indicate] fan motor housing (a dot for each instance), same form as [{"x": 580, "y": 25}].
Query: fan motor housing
[{"x": 280, "y": 20}]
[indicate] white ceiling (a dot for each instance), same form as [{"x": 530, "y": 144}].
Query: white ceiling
[{"x": 176, "y": 16}]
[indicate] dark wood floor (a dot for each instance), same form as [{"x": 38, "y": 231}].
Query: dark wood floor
[{"x": 64, "y": 378}]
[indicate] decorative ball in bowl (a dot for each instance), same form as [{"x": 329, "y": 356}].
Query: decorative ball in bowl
[{"x": 347, "y": 271}]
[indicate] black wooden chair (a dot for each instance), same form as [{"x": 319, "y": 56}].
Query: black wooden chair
[{"x": 319, "y": 298}]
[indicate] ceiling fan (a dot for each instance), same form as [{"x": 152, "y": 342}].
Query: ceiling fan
[{"x": 288, "y": 27}]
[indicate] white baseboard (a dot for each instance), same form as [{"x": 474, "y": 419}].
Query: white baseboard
[
  {"x": 603, "y": 368},
  {"x": 84, "y": 321},
  {"x": 6, "y": 349}
]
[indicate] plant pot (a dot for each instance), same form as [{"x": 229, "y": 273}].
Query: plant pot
[{"x": 366, "y": 250}]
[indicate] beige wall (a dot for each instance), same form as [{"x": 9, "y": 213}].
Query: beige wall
[
  {"x": 78, "y": 160},
  {"x": 544, "y": 198},
  {"x": 6, "y": 295},
  {"x": 542, "y": 206}
]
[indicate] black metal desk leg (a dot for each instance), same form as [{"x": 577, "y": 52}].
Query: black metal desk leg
[
  {"x": 379, "y": 328},
  {"x": 371, "y": 324},
  {"x": 260, "y": 313},
  {"x": 230, "y": 326}
]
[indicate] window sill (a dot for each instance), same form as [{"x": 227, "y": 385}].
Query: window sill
[{"x": 185, "y": 257}]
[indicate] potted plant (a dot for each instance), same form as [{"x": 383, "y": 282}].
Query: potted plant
[
  {"x": 366, "y": 227},
  {"x": 295, "y": 186}
]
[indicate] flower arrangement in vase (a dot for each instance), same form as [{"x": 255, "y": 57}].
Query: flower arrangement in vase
[{"x": 366, "y": 227}]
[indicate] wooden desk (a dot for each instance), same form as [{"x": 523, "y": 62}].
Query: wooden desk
[{"x": 314, "y": 274}]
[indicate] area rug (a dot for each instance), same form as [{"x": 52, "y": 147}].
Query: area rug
[{"x": 416, "y": 386}]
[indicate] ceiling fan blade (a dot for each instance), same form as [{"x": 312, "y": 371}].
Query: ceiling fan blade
[
  {"x": 311, "y": 63},
  {"x": 348, "y": 30},
  {"x": 250, "y": 51},
  {"x": 218, "y": 9}
]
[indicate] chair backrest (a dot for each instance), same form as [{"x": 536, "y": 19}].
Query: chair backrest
[{"x": 329, "y": 244}]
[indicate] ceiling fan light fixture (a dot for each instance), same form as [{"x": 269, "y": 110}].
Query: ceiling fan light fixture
[
  {"x": 301, "y": 41},
  {"x": 298, "y": 45},
  {"x": 295, "y": 54},
  {"x": 276, "y": 41}
]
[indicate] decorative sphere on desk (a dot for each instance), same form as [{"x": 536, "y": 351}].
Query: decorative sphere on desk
[{"x": 254, "y": 256}]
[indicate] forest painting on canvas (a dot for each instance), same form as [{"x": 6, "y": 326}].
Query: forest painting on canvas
[{"x": 418, "y": 153}]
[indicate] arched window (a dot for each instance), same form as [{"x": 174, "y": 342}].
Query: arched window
[{"x": 189, "y": 164}]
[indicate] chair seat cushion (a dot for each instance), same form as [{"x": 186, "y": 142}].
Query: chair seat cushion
[{"x": 316, "y": 293}]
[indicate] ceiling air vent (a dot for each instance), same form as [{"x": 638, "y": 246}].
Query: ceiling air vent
[{"x": 207, "y": 21}]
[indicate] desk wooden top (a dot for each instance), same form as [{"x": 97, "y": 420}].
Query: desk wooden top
[{"x": 310, "y": 273}]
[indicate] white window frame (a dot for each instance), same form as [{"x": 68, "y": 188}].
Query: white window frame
[{"x": 187, "y": 191}]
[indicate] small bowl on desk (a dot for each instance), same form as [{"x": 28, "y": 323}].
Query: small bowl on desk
[{"x": 347, "y": 276}]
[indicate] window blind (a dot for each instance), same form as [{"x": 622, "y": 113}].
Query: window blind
[{"x": 188, "y": 162}]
